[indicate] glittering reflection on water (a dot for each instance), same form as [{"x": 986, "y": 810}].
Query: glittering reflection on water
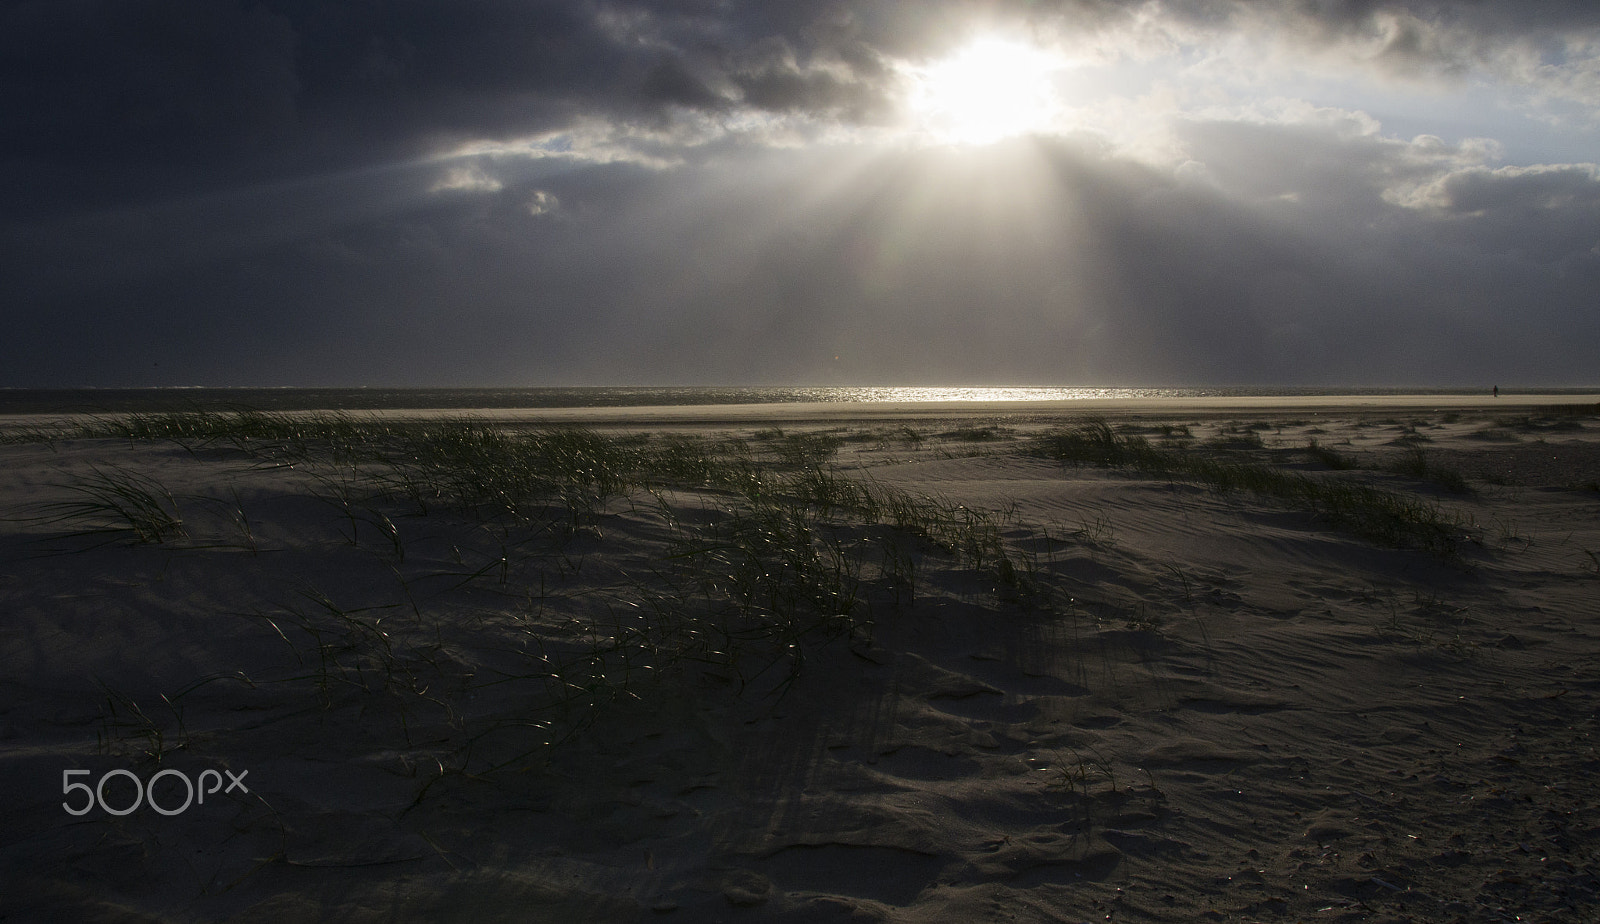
[
  {"x": 72, "y": 401},
  {"x": 946, "y": 393}
]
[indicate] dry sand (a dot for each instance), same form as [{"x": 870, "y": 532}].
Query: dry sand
[{"x": 1205, "y": 706}]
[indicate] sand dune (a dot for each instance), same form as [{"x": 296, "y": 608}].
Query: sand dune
[{"x": 989, "y": 685}]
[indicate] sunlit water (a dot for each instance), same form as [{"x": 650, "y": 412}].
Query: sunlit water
[{"x": 36, "y": 401}]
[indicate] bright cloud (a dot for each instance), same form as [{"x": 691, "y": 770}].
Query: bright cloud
[{"x": 466, "y": 178}]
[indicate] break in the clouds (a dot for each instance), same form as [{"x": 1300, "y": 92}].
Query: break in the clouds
[{"x": 679, "y": 191}]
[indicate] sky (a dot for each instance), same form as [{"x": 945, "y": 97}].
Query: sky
[{"x": 951, "y": 192}]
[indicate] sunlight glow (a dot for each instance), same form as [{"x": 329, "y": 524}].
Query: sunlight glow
[{"x": 991, "y": 89}]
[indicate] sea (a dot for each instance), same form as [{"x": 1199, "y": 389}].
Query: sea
[{"x": 160, "y": 400}]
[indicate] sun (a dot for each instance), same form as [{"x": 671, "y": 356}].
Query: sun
[{"x": 989, "y": 89}]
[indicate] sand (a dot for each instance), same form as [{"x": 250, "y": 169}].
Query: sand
[{"x": 1195, "y": 705}]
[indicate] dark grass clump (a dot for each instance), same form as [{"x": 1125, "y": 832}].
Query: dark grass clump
[
  {"x": 1330, "y": 458},
  {"x": 1237, "y": 437},
  {"x": 1094, "y": 442},
  {"x": 1546, "y": 423},
  {"x": 1494, "y": 434},
  {"x": 1416, "y": 464},
  {"x": 1411, "y": 436},
  {"x": 977, "y": 434},
  {"x": 800, "y": 450},
  {"x": 299, "y": 435},
  {"x": 117, "y": 503},
  {"x": 1380, "y": 516}
]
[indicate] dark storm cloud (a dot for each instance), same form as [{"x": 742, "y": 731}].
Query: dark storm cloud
[
  {"x": 222, "y": 191},
  {"x": 1353, "y": 17},
  {"x": 1449, "y": 39},
  {"x": 89, "y": 82},
  {"x": 1520, "y": 191},
  {"x": 172, "y": 85},
  {"x": 159, "y": 90},
  {"x": 216, "y": 91}
]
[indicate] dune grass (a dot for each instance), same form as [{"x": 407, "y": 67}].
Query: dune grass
[
  {"x": 116, "y": 503},
  {"x": 1331, "y": 458},
  {"x": 1416, "y": 464},
  {"x": 769, "y": 553},
  {"x": 1386, "y": 517}
]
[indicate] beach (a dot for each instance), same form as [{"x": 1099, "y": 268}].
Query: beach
[{"x": 1309, "y": 659}]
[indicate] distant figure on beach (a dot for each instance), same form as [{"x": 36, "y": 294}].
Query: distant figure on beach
[{"x": 1497, "y": 391}]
